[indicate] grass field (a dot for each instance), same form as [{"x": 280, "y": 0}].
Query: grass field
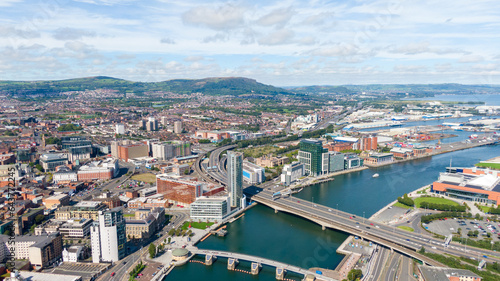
[
  {"x": 495, "y": 166},
  {"x": 407, "y": 228},
  {"x": 434, "y": 200},
  {"x": 485, "y": 209},
  {"x": 256, "y": 152},
  {"x": 397, "y": 204},
  {"x": 146, "y": 177},
  {"x": 198, "y": 225}
]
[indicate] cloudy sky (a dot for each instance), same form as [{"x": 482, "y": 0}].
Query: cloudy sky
[{"x": 283, "y": 43}]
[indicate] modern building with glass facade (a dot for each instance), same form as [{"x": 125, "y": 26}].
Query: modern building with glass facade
[
  {"x": 235, "y": 177},
  {"x": 108, "y": 236},
  {"x": 51, "y": 160},
  {"x": 292, "y": 172},
  {"x": 473, "y": 184},
  {"x": 311, "y": 154},
  {"x": 332, "y": 161},
  {"x": 253, "y": 174},
  {"x": 209, "y": 209}
]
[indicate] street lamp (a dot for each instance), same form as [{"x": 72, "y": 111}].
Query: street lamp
[
  {"x": 363, "y": 217},
  {"x": 337, "y": 209}
]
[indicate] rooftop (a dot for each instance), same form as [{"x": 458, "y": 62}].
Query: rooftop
[{"x": 40, "y": 276}]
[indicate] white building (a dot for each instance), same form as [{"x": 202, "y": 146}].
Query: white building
[
  {"x": 253, "y": 174},
  {"x": 292, "y": 172},
  {"x": 99, "y": 170},
  {"x": 235, "y": 177},
  {"x": 76, "y": 228},
  {"x": 209, "y": 209},
  {"x": 178, "y": 127},
  {"x": 120, "y": 129},
  {"x": 64, "y": 174},
  {"x": 108, "y": 236},
  {"x": 72, "y": 254}
]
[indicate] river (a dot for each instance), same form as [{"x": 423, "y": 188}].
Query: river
[{"x": 294, "y": 240}]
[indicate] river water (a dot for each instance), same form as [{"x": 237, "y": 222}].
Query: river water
[{"x": 293, "y": 240}]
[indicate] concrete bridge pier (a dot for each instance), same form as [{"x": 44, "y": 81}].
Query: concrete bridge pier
[
  {"x": 209, "y": 259},
  {"x": 275, "y": 211},
  {"x": 232, "y": 263},
  {"x": 280, "y": 273},
  {"x": 323, "y": 227},
  {"x": 255, "y": 268}
]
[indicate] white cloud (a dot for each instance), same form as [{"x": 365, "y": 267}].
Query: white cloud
[
  {"x": 67, "y": 33},
  {"x": 224, "y": 17},
  {"x": 278, "y": 17},
  {"x": 424, "y": 47},
  {"x": 167, "y": 40},
  {"x": 471, "y": 59},
  {"x": 193, "y": 58},
  {"x": 7, "y": 3},
  {"x": 280, "y": 37}
]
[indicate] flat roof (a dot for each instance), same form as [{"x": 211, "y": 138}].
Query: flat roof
[{"x": 40, "y": 276}]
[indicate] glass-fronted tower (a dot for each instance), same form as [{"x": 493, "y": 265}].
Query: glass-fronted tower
[
  {"x": 311, "y": 154},
  {"x": 235, "y": 177}
]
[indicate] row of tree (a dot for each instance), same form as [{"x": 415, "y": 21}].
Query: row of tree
[{"x": 405, "y": 200}]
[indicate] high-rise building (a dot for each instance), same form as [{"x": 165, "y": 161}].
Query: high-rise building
[
  {"x": 311, "y": 154},
  {"x": 333, "y": 161},
  {"x": 120, "y": 129},
  {"x": 164, "y": 121},
  {"x": 178, "y": 127},
  {"x": 108, "y": 236},
  {"x": 152, "y": 124},
  {"x": 171, "y": 149},
  {"x": 235, "y": 177}
]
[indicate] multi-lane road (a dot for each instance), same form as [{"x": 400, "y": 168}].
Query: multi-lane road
[{"x": 364, "y": 227}]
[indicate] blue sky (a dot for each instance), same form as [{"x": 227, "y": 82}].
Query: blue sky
[{"x": 283, "y": 43}]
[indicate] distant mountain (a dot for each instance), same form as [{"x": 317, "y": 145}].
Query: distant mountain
[
  {"x": 235, "y": 86},
  {"x": 323, "y": 90}
]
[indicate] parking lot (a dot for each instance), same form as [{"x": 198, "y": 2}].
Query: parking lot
[{"x": 449, "y": 226}]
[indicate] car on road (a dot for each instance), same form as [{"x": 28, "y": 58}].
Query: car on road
[
  {"x": 112, "y": 274},
  {"x": 350, "y": 218},
  {"x": 124, "y": 262},
  {"x": 298, "y": 201},
  {"x": 371, "y": 223}
]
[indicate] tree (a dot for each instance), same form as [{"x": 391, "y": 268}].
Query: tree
[
  {"x": 39, "y": 167},
  {"x": 152, "y": 250},
  {"x": 354, "y": 274},
  {"x": 39, "y": 218},
  {"x": 32, "y": 228},
  {"x": 7, "y": 232},
  {"x": 186, "y": 172},
  {"x": 422, "y": 250}
]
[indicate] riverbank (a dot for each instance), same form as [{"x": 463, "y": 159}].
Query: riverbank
[{"x": 446, "y": 148}]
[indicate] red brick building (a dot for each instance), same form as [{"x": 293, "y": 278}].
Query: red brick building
[{"x": 178, "y": 189}]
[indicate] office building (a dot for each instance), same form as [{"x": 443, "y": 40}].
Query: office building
[
  {"x": 179, "y": 190},
  {"x": 145, "y": 223},
  {"x": 41, "y": 251},
  {"x": 292, "y": 172},
  {"x": 379, "y": 159},
  {"x": 352, "y": 161},
  {"x": 76, "y": 228},
  {"x": 64, "y": 175},
  {"x": 332, "y": 161},
  {"x": 56, "y": 200},
  {"x": 235, "y": 177},
  {"x": 108, "y": 236},
  {"x": 368, "y": 143},
  {"x": 131, "y": 151},
  {"x": 79, "y": 153},
  {"x": 311, "y": 154},
  {"x": 99, "y": 170},
  {"x": 120, "y": 129},
  {"x": 211, "y": 209},
  {"x": 170, "y": 149},
  {"x": 81, "y": 210},
  {"x": 253, "y": 174},
  {"x": 178, "y": 127},
  {"x": 164, "y": 121},
  {"x": 51, "y": 160}
]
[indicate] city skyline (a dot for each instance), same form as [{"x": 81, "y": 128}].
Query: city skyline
[{"x": 287, "y": 43}]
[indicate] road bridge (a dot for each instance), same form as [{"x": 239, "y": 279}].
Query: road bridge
[{"x": 263, "y": 261}]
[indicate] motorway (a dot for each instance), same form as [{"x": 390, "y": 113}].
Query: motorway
[{"x": 364, "y": 227}]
